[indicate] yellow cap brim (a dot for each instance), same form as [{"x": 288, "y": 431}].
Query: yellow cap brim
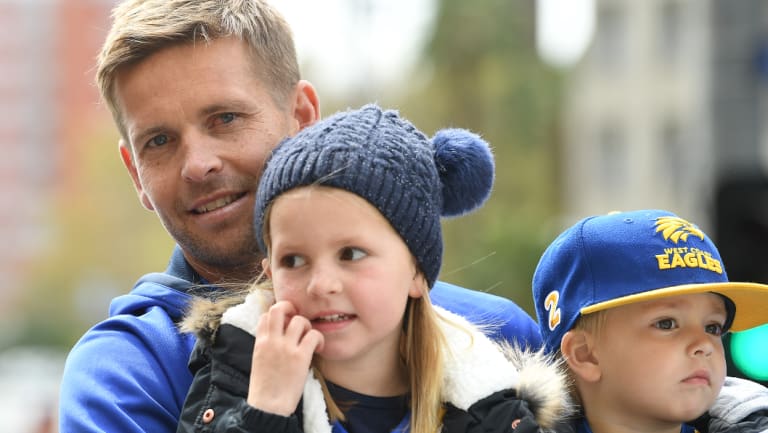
[{"x": 750, "y": 299}]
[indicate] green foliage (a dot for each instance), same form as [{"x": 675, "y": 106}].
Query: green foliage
[{"x": 484, "y": 75}]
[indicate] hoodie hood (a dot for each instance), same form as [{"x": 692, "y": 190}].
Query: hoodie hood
[
  {"x": 171, "y": 290},
  {"x": 154, "y": 290}
]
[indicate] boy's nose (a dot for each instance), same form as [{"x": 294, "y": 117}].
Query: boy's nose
[{"x": 702, "y": 345}]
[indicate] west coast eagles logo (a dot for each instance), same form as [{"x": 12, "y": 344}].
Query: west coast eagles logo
[{"x": 674, "y": 230}]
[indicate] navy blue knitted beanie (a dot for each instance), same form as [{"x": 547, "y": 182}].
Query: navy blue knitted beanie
[{"x": 411, "y": 179}]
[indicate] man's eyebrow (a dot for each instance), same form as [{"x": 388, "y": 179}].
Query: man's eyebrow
[
  {"x": 144, "y": 133},
  {"x": 233, "y": 105}
]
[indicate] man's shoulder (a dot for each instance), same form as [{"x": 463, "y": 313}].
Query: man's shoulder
[
  {"x": 146, "y": 317},
  {"x": 136, "y": 351},
  {"x": 140, "y": 322},
  {"x": 499, "y": 316}
]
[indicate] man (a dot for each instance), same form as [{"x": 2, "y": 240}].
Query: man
[{"x": 201, "y": 92}]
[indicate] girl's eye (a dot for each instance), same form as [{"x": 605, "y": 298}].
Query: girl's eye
[
  {"x": 158, "y": 140},
  {"x": 666, "y": 324},
  {"x": 352, "y": 253},
  {"x": 714, "y": 329},
  {"x": 292, "y": 261}
]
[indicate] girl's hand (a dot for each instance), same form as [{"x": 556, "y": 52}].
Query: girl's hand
[{"x": 285, "y": 343}]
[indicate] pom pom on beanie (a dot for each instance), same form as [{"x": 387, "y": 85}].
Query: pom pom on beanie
[{"x": 466, "y": 168}]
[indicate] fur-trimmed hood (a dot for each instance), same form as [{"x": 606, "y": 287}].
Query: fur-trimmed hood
[{"x": 475, "y": 366}]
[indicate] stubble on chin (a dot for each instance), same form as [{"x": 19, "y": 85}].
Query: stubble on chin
[{"x": 232, "y": 262}]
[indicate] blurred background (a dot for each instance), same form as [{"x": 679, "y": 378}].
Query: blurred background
[{"x": 590, "y": 106}]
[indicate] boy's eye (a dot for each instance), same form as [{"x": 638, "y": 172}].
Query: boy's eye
[
  {"x": 352, "y": 253},
  {"x": 666, "y": 324},
  {"x": 714, "y": 329},
  {"x": 292, "y": 261}
]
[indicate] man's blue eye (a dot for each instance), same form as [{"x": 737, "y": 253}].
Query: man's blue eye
[
  {"x": 227, "y": 117},
  {"x": 158, "y": 140}
]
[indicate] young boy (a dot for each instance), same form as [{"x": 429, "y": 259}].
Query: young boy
[{"x": 636, "y": 304}]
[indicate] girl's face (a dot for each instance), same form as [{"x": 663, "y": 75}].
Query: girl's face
[
  {"x": 343, "y": 267},
  {"x": 662, "y": 360}
]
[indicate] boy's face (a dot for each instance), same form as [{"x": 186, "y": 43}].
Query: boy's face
[
  {"x": 200, "y": 123},
  {"x": 343, "y": 267},
  {"x": 662, "y": 361}
]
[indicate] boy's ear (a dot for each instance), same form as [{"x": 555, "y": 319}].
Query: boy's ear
[{"x": 577, "y": 347}]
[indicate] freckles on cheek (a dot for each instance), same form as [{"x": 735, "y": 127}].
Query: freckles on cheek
[{"x": 283, "y": 290}]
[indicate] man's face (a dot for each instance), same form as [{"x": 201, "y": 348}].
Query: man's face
[{"x": 200, "y": 124}]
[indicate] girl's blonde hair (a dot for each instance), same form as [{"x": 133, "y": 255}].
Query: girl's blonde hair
[
  {"x": 143, "y": 27},
  {"x": 421, "y": 349}
]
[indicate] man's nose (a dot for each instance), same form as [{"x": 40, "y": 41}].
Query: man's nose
[{"x": 201, "y": 157}]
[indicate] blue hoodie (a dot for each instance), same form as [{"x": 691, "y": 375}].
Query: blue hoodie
[{"x": 129, "y": 372}]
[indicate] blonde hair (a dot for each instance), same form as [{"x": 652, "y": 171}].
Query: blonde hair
[
  {"x": 421, "y": 349},
  {"x": 141, "y": 28},
  {"x": 422, "y": 344},
  {"x": 592, "y": 323}
]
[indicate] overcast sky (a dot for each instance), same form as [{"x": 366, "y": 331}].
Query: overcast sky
[{"x": 345, "y": 43}]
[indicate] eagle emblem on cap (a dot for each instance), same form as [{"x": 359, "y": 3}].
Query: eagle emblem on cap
[{"x": 674, "y": 229}]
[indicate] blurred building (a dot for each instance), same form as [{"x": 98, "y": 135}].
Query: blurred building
[
  {"x": 638, "y": 111},
  {"x": 669, "y": 109},
  {"x": 666, "y": 107},
  {"x": 47, "y": 99}
]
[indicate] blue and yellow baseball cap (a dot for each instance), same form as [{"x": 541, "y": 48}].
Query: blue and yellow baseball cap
[{"x": 626, "y": 257}]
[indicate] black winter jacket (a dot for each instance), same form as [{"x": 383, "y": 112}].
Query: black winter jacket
[{"x": 485, "y": 390}]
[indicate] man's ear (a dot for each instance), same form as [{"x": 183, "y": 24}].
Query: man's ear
[
  {"x": 306, "y": 105},
  {"x": 127, "y": 157},
  {"x": 578, "y": 349}
]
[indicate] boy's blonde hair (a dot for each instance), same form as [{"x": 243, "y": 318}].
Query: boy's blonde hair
[{"x": 143, "y": 27}]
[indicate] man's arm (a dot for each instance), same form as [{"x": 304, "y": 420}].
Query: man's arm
[
  {"x": 500, "y": 318},
  {"x": 127, "y": 374}
]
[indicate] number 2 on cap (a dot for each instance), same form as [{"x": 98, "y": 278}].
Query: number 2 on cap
[{"x": 550, "y": 304}]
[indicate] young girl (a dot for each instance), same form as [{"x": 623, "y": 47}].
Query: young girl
[{"x": 346, "y": 339}]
